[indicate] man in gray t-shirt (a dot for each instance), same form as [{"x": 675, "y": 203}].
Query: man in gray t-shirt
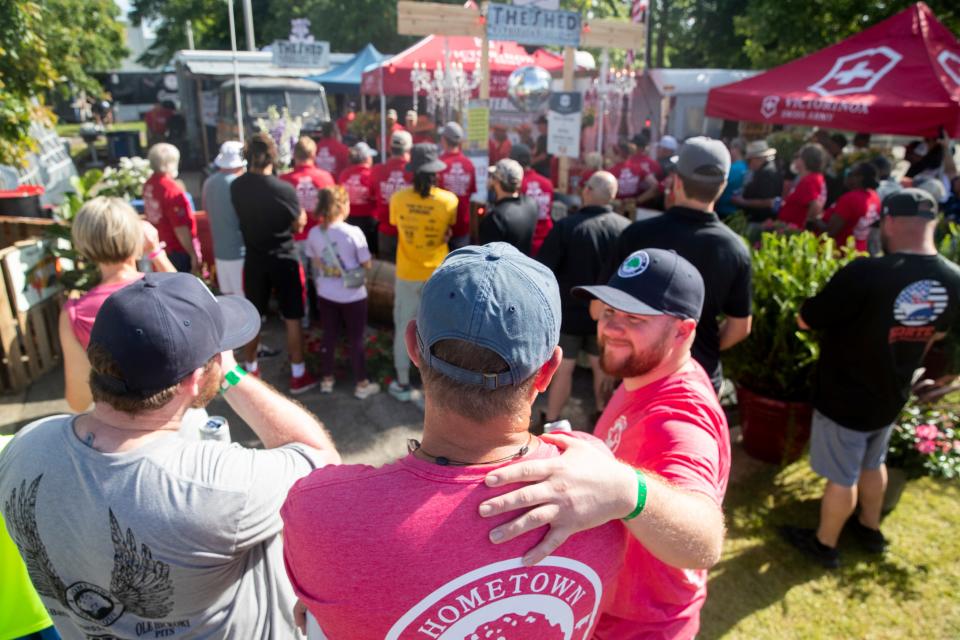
[
  {"x": 127, "y": 530},
  {"x": 228, "y": 247}
]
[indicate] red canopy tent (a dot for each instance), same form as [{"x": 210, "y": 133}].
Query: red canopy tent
[
  {"x": 505, "y": 57},
  {"x": 901, "y": 76}
]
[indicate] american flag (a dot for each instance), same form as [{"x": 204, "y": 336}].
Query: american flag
[{"x": 920, "y": 303}]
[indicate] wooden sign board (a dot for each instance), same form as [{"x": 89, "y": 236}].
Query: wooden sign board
[{"x": 428, "y": 18}]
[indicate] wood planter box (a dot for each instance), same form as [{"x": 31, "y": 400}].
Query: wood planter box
[{"x": 774, "y": 431}]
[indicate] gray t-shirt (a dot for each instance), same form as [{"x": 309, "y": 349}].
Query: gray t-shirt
[
  {"x": 173, "y": 539},
  {"x": 227, "y": 239}
]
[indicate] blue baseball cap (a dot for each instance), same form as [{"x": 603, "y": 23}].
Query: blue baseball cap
[
  {"x": 492, "y": 296},
  {"x": 652, "y": 282},
  {"x": 163, "y": 327}
]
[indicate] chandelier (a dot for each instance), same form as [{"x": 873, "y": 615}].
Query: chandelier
[{"x": 447, "y": 88}]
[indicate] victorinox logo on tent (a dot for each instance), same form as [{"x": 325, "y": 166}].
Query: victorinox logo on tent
[
  {"x": 951, "y": 64},
  {"x": 857, "y": 72},
  {"x": 768, "y": 108}
]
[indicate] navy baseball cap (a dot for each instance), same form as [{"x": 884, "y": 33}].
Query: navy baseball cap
[
  {"x": 652, "y": 282},
  {"x": 163, "y": 327},
  {"x": 495, "y": 297}
]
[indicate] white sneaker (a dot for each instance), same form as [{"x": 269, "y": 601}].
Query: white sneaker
[
  {"x": 400, "y": 392},
  {"x": 362, "y": 393},
  {"x": 416, "y": 397}
]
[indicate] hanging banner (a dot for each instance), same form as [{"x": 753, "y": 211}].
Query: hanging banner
[
  {"x": 531, "y": 25},
  {"x": 563, "y": 124},
  {"x": 478, "y": 127}
]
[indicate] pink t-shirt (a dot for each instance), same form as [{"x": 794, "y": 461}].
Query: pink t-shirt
[
  {"x": 859, "y": 209},
  {"x": 810, "y": 188},
  {"x": 400, "y": 552},
  {"x": 82, "y": 311},
  {"x": 673, "y": 427}
]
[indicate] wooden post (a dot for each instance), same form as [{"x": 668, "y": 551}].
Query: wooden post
[
  {"x": 569, "y": 65},
  {"x": 485, "y": 65}
]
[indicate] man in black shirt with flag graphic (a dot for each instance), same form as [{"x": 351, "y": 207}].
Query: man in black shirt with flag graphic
[{"x": 877, "y": 317}]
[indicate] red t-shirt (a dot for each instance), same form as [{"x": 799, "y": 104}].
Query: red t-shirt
[
  {"x": 859, "y": 209},
  {"x": 358, "y": 181},
  {"x": 631, "y": 179},
  {"x": 459, "y": 178},
  {"x": 157, "y": 120},
  {"x": 498, "y": 150},
  {"x": 421, "y": 138},
  {"x": 166, "y": 207},
  {"x": 343, "y": 122},
  {"x": 308, "y": 179},
  {"x": 540, "y": 189},
  {"x": 388, "y": 178},
  {"x": 332, "y": 155},
  {"x": 810, "y": 188},
  {"x": 675, "y": 428},
  {"x": 648, "y": 165},
  {"x": 400, "y": 552}
]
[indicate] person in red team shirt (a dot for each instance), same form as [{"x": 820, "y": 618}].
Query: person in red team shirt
[
  {"x": 332, "y": 155},
  {"x": 635, "y": 179},
  {"x": 499, "y": 145},
  {"x": 157, "y": 120},
  {"x": 667, "y": 429},
  {"x": 424, "y": 129},
  {"x": 642, "y": 159},
  {"x": 167, "y": 208},
  {"x": 388, "y": 178},
  {"x": 459, "y": 178},
  {"x": 400, "y": 551},
  {"x": 855, "y": 211},
  {"x": 308, "y": 179},
  {"x": 540, "y": 189},
  {"x": 357, "y": 179},
  {"x": 805, "y": 201},
  {"x": 344, "y": 121}
]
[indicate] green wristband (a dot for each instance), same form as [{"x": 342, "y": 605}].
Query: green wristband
[
  {"x": 641, "y": 495},
  {"x": 232, "y": 378}
]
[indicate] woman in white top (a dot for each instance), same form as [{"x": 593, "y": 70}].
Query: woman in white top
[{"x": 340, "y": 256}]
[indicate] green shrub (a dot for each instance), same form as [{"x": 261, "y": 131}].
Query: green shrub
[{"x": 777, "y": 359}]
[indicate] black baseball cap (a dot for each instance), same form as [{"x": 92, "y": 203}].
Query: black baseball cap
[
  {"x": 910, "y": 203},
  {"x": 425, "y": 158},
  {"x": 652, "y": 282},
  {"x": 163, "y": 327},
  {"x": 521, "y": 153}
]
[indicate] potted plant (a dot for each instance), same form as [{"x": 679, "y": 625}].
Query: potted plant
[
  {"x": 925, "y": 442},
  {"x": 773, "y": 368}
]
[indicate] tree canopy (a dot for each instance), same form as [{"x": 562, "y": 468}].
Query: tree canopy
[{"x": 50, "y": 46}]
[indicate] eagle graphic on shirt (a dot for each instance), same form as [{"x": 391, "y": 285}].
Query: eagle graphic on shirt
[{"x": 138, "y": 583}]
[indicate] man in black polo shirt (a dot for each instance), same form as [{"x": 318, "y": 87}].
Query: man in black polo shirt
[
  {"x": 876, "y": 317},
  {"x": 693, "y": 230},
  {"x": 513, "y": 216},
  {"x": 576, "y": 250}
]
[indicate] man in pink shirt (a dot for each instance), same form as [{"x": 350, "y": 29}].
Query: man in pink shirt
[
  {"x": 540, "y": 190},
  {"x": 401, "y": 551},
  {"x": 459, "y": 178},
  {"x": 666, "y": 423}
]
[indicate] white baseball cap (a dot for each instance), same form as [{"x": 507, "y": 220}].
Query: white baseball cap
[
  {"x": 230, "y": 156},
  {"x": 669, "y": 143}
]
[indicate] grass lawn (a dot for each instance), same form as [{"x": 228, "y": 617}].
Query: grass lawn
[
  {"x": 763, "y": 588},
  {"x": 71, "y": 130},
  {"x": 78, "y": 148}
]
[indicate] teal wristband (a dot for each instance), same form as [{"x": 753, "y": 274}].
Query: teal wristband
[
  {"x": 641, "y": 495},
  {"x": 232, "y": 378}
]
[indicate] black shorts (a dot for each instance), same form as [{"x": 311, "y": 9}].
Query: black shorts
[{"x": 261, "y": 276}]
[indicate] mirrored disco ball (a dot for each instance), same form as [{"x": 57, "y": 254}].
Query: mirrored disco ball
[{"x": 529, "y": 88}]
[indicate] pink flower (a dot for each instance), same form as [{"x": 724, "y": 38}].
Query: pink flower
[
  {"x": 927, "y": 431},
  {"x": 926, "y": 447},
  {"x": 956, "y": 446},
  {"x": 945, "y": 447}
]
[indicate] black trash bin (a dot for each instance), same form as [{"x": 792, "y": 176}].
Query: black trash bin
[{"x": 123, "y": 144}]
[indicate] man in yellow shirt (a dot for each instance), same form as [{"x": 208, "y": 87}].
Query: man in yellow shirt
[{"x": 423, "y": 215}]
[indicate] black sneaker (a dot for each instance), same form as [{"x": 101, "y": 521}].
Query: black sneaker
[
  {"x": 806, "y": 541},
  {"x": 871, "y": 540}
]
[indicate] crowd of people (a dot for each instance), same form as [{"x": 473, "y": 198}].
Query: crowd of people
[{"x": 486, "y": 526}]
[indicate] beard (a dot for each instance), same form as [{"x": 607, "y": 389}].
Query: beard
[
  {"x": 209, "y": 387},
  {"x": 638, "y": 362}
]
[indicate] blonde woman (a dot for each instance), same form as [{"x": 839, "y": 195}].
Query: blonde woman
[
  {"x": 340, "y": 255},
  {"x": 108, "y": 232}
]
